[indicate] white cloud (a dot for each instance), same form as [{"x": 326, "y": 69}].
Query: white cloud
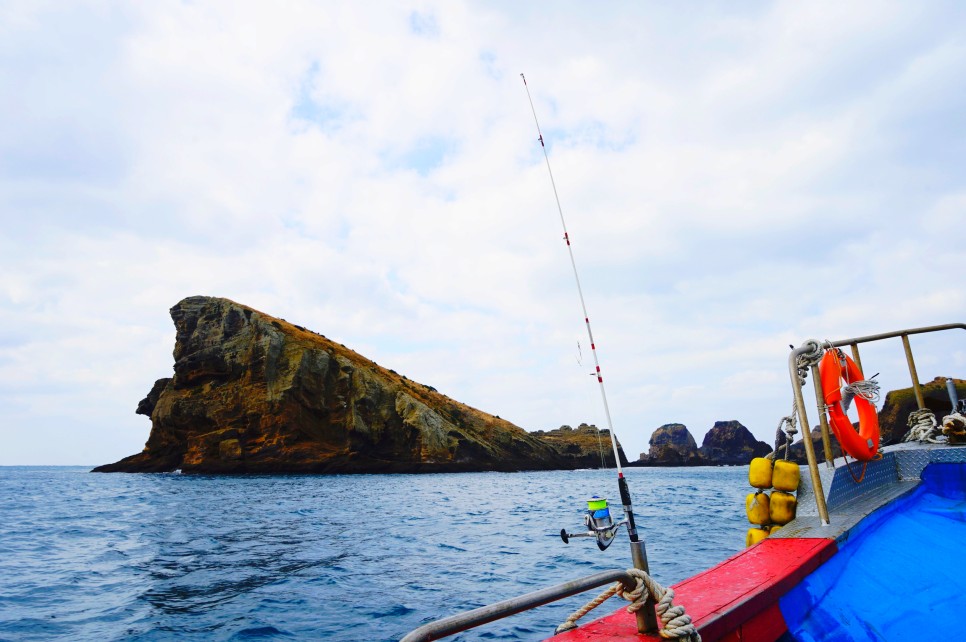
[{"x": 734, "y": 179}]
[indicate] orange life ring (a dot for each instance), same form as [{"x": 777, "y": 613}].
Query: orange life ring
[{"x": 864, "y": 444}]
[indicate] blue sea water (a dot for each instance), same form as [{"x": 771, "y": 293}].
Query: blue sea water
[{"x": 349, "y": 557}]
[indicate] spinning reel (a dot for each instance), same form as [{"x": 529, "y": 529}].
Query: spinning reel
[{"x": 599, "y": 523}]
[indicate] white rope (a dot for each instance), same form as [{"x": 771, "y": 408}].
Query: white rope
[
  {"x": 785, "y": 438},
  {"x": 804, "y": 361},
  {"x": 868, "y": 390},
  {"x": 675, "y": 623},
  {"x": 922, "y": 427}
]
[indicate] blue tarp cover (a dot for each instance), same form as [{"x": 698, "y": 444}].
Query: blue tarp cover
[{"x": 901, "y": 575}]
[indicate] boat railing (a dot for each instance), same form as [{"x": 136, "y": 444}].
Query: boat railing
[
  {"x": 800, "y": 356},
  {"x": 483, "y": 615}
]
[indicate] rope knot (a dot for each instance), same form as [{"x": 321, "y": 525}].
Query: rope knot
[
  {"x": 636, "y": 597},
  {"x": 814, "y": 354},
  {"x": 675, "y": 623},
  {"x": 785, "y": 434},
  {"x": 807, "y": 359}
]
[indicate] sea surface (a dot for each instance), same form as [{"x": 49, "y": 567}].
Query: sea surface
[{"x": 350, "y": 557}]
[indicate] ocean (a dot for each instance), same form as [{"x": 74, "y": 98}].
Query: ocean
[{"x": 348, "y": 557}]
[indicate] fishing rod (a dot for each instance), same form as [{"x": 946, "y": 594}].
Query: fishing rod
[{"x": 591, "y": 519}]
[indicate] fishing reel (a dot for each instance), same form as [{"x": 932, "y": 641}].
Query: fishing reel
[{"x": 599, "y": 523}]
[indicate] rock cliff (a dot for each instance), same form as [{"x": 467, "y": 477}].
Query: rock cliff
[
  {"x": 671, "y": 445},
  {"x": 730, "y": 443},
  {"x": 255, "y": 394},
  {"x": 583, "y": 446}
]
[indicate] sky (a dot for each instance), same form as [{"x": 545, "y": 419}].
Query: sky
[{"x": 735, "y": 178}]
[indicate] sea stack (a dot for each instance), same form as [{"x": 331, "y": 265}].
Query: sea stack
[
  {"x": 672, "y": 445},
  {"x": 730, "y": 443}
]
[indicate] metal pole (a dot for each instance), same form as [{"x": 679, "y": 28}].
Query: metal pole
[
  {"x": 646, "y": 616},
  {"x": 822, "y": 419},
  {"x": 807, "y": 435},
  {"x": 953, "y": 395},
  {"x": 855, "y": 356},
  {"x": 912, "y": 372},
  {"x": 898, "y": 333},
  {"x": 463, "y": 621}
]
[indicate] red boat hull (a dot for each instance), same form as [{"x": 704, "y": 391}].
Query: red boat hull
[{"x": 735, "y": 600}]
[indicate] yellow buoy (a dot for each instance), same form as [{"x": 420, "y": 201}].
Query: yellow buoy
[
  {"x": 782, "y": 507},
  {"x": 756, "y": 506},
  {"x": 759, "y": 472},
  {"x": 785, "y": 475},
  {"x": 754, "y": 536},
  {"x": 772, "y": 529}
]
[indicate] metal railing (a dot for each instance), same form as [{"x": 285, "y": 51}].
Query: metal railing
[
  {"x": 462, "y": 621},
  {"x": 793, "y": 365}
]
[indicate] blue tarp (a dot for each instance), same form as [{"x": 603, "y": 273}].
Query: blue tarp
[{"x": 900, "y": 576}]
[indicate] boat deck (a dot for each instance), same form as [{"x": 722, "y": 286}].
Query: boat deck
[{"x": 739, "y": 598}]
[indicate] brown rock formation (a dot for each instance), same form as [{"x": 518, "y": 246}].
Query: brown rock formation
[
  {"x": 727, "y": 443},
  {"x": 899, "y": 403},
  {"x": 671, "y": 445},
  {"x": 256, "y": 394},
  {"x": 730, "y": 443},
  {"x": 583, "y": 445}
]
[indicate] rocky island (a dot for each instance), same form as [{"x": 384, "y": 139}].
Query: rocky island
[
  {"x": 727, "y": 443},
  {"x": 252, "y": 393}
]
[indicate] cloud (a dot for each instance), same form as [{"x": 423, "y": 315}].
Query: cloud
[{"x": 734, "y": 179}]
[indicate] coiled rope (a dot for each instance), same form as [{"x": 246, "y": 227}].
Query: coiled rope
[
  {"x": 922, "y": 427},
  {"x": 866, "y": 389},
  {"x": 675, "y": 623},
  {"x": 804, "y": 361}
]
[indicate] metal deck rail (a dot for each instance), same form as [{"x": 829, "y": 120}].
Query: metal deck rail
[
  {"x": 808, "y": 348},
  {"x": 462, "y": 621}
]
